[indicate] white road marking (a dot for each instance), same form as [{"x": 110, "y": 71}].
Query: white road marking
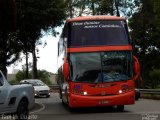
[{"x": 39, "y": 110}]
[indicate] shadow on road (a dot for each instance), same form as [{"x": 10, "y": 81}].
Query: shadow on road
[{"x": 88, "y": 110}]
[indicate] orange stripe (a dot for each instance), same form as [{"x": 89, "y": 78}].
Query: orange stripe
[
  {"x": 98, "y": 17},
  {"x": 103, "y": 48}
]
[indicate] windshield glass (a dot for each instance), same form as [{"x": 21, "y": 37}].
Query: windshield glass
[
  {"x": 116, "y": 66},
  {"x": 37, "y": 83},
  {"x": 85, "y": 67},
  {"x": 98, "y": 33},
  {"x": 100, "y": 66},
  {"x": 33, "y": 82}
]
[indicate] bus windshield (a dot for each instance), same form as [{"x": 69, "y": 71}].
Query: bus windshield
[
  {"x": 98, "y": 33},
  {"x": 99, "y": 67}
]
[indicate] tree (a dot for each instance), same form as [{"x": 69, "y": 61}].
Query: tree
[
  {"x": 75, "y": 7},
  {"x": 44, "y": 76},
  {"x": 116, "y": 7},
  {"x": 145, "y": 33},
  {"x": 101, "y": 7},
  {"x": 21, "y": 75},
  {"x": 35, "y": 16},
  {"x": 155, "y": 79},
  {"x": 9, "y": 45}
]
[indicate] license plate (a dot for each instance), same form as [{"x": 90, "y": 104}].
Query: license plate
[{"x": 103, "y": 102}]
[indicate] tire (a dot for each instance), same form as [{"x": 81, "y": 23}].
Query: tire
[
  {"x": 66, "y": 92},
  {"x": 120, "y": 108},
  {"x": 63, "y": 103},
  {"x": 71, "y": 109},
  {"x": 22, "y": 111},
  {"x": 137, "y": 96},
  {"x": 47, "y": 96},
  {"x": 60, "y": 93}
]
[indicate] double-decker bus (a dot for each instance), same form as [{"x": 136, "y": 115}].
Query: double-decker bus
[{"x": 96, "y": 66}]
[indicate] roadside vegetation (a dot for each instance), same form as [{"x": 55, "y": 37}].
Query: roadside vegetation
[{"x": 42, "y": 75}]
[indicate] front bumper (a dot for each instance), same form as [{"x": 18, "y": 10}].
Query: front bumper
[
  {"x": 38, "y": 94},
  {"x": 91, "y": 101}
]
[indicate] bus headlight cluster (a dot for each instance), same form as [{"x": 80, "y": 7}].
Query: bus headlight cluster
[
  {"x": 120, "y": 91},
  {"x": 79, "y": 92},
  {"x": 125, "y": 88},
  {"x": 85, "y": 93}
]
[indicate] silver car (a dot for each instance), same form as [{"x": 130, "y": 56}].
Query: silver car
[{"x": 40, "y": 88}]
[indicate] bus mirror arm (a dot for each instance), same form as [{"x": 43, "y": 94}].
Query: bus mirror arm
[
  {"x": 66, "y": 69},
  {"x": 136, "y": 68}
]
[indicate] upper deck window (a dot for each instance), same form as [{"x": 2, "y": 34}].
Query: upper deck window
[{"x": 98, "y": 33}]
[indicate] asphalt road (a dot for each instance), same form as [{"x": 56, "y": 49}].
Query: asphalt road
[{"x": 52, "y": 109}]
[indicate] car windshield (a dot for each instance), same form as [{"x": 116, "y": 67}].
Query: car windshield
[
  {"x": 100, "y": 66},
  {"x": 34, "y": 82},
  {"x": 37, "y": 83}
]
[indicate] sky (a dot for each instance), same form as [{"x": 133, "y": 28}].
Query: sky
[{"x": 47, "y": 54}]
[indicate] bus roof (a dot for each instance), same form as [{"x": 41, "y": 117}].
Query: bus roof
[{"x": 98, "y": 17}]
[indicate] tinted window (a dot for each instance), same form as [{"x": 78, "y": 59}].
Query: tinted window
[{"x": 93, "y": 33}]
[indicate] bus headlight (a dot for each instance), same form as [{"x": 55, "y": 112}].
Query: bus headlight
[
  {"x": 120, "y": 91},
  {"x": 125, "y": 88},
  {"x": 79, "y": 92},
  {"x": 85, "y": 93}
]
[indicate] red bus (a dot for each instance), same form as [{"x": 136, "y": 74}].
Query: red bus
[{"x": 96, "y": 66}]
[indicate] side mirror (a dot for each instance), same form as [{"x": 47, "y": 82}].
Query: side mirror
[
  {"x": 66, "y": 69},
  {"x": 136, "y": 67}
]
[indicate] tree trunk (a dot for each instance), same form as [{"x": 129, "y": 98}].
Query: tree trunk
[
  {"x": 70, "y": 9},
  {"x": 117, "y": 7},
  {"x": 112, "y": 7},
  {"x": 27, "y": 71},
  {"x": 34, "y": 67},
  {"x": 93, "y": 8},
  {"x": 3, "y": 53}
]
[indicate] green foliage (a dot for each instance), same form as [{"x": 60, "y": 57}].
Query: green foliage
[
  {"x": 100, "y": 7},
  {"x": 42, "y": 75},
  {"x": 21, "y": 75},
  {"x": 31, "y": 17},
  {"x": 9, "y": 45},
  {"x": 7, "y": 15},
  {"x": 145, "y": 32},
  {"x": 155, "y": 77},
  {"x": 35, "y": 16}
]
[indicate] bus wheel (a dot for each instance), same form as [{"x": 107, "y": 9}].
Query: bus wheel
[
  {"x": 120, "y": 108},
  {"x": 71, "y": 109},
  {"x": 60, "y": 94},
  {"x": 63, "y": 103}
]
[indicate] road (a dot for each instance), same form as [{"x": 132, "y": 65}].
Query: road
[{"x": 52, "y": 108}]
